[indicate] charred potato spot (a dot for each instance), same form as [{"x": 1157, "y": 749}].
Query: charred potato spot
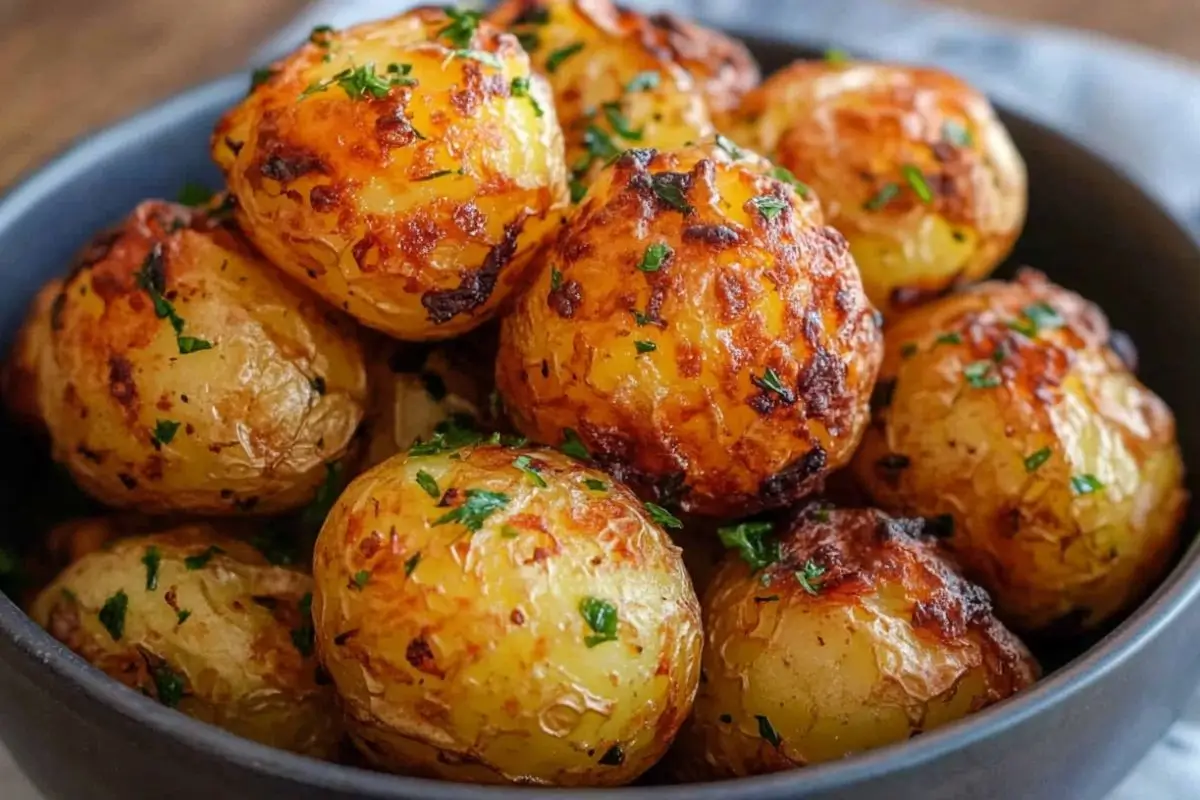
[
  {"x": 859, "y": 635},
  {"x": 182, "y": 374},
  {"x": 405, "y": 170},
  {"x": 452, "y": 672},
  {"x": 689, "y": 333},
  {"x": 1011, "y": 415},
  {"x": 911, "y": 165},
  {"x": 185, "y": 617}
]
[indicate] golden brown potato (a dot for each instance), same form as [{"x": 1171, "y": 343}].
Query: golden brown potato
[
  {"x": 496, "y": 615},
  {"x": 1005, "y": 409},
  {"x": 416, "y": 388},
  {"x": 20, "y": 375},
  {"x": 856, "y": 633},
  {"x": 616, "y": 83},
  {"x": 699, "y": 331},
  {"x": 184, "y": 374},
  {"x": 203, "y": 624},
  {"x": 911, "y": 165},
  {"x": 721, "y": 64},
  {"x": 404, "y": 169}
]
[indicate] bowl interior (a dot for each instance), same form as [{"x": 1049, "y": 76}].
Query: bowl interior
[{"x": 1088, "y": 228}]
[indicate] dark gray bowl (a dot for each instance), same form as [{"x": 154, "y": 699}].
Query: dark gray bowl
[{"x": 80, "y": 735}]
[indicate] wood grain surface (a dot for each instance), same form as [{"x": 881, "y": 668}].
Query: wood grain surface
[{"x": 74, "y": 65}]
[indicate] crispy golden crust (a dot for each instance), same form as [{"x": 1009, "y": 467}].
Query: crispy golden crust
[
  {"x": 612, "y": 73},
  {"x": 416, "y": 211},
  {"x": 463, "y": 654},
  {"x": 721, "y": 64},
  {"x": 19, "y": 378},
  {"x": 1005, "y": 408},
  {"x": 184, "y": 374},
  {"x": 852, "y": 131},
  {"x": 880, "y": 641},
  {"x": 742, "y": 292},
  {"x": 208, "y": 629}
]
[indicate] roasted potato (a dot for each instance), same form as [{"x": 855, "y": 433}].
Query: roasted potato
[
  {"x": 616, "y": 82},
  {"x": 416, "y": 388},
  {"x": 855, "y": 634},
  {"x": 496, "y": 615},
  {"x": 201, "y": 622},
  {"x": 404, "y": 169},
  {"x": 698, "y": 331},
  {"x": 911, "y": 165},
  {"x": 183, "y": 373},
  {"x": 1005, "y": 409},
  {"x": 21, "y": 373},
  {"x": 721, "y": 65}
]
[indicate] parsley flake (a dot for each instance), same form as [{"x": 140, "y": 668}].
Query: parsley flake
[
  {"x": 361, "y": 578},
  {"x": 727, "y": 144},
  {"x": 599, "y": 145},
  {"x": 769, "y": 207},
  {"x": 886, "y": 194},
  {"x": 520, "y": 88},
  {"x": 112, "y": 614},
  {"x": 601, "y": 617},
  {"x": 751, "y": 540},
  {"x": 668, "y": 190},
  {"x": 304, "y": 636},
  {"x": 620, "y": 124},
  {"x": 359, "y": 82},
  {"x": 1085, "y": 484},
  {"x": 152, "y": 559},
  {"x": 947, "y": 338},
  {"x": 164, "y": 432},
  {"x": 578, "y": 190},
  {"x": 771, "y": 382},
  {"x": 643, "y": 82},
  {"x": 767, "y": 731},
  {"x": 809, "y": 577},
  {"x": 200, "y": 560},
  {"x": 979, "y": 375},
  {"x": 643, "y": 346},
  {"x": 411, "y": 563},
  {"x": 784, "y": 174},
  {"x": 557, "y": 57},
  {"x": 957, "y": 134},
  {"x": 450, "y": 434},
  {"x": 526, "y": 465},
  {"x": 260, "y": 76},
  {"x": 663, "y": 517},
  {"x": 573, "y": 446},
  {"x": 479, "y": 505},
  {"x": 462, "y": 27},
  {"x": 190, "y": 344},
  {"x": 194, "y": 194},
  {"x": 428, "y": 483},
  {"x": 555, "y": 279},
  {"x": 595, "y": 485},
  {"x": 916, "y": 179},
  {"x": 182, "y": 616},
  {"x": 1036, "y": 318},
  {"x": 482, "y": 56},
  {"x": 655, "y": 256},
  {"x": 169, "y": 686},
  {"x": 1036, "y": 459}
]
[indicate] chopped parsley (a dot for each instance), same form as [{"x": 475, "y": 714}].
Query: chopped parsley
[
  {"x": 784, "y": 174},
  {"x": 655, "y": 256},
  {"x": 769, "y": 207},
  {"x": 361, "y": 578},
  {"x": 663, "y": 517},
  {"x": 1036, "y": 459},
  {"x": 112, "y": 614},
  {"x": 771, "y": 382},
  {"x": 809, "y": 577},
  {"x": 578, "y": 190},
  {"x": 557, "y": 57},
  {"x": 573, "y": 446},
  {"x": 1085, "y": 484},
  {"x": 152, "y": 279},
  {"x": 428, "y": 483},
  {"x": 194, "y": 194},
  {"x": 169, "y": 685},
  {"x": 520, "y": 88},
  {"x": 1036, "y": 318},
  {"x": 320, "y": 35},
  {"x": 613, "y": 756},
  {"x": 314, "y": 514},
  {"x": 620, "y": 124},
  {"x": 200, "y": 560},
  {"x": 670, "y": 192},
  {"x": 727, "y": 144},
  {"x": 450, "y": 434},
  {"x": 643, "y": 346},
  {"x": 411, "y": 563},
  {"x": 359, "y": 82},
  {"x": 956, "y": 134},
  {"x": 462, "y": 27},
  {"x": 440, "y": 173},
  {"x": 947, "y": 338},
  {"x": 599, "y": 146},
  {"x": 526, "y": 465},
  {"x": 304, "y": 636},
  {"x": 751, "y": 540},
  {"x": 595, "y": 485},
  {"x": 643, "y": 82},
  {"x": 601, "y": 617},
  {"x": 260, "y": 76},
  {"x": 529, "y": 40},
  {"x": 767, "y": 731},
  {"x": 479, "y": 505},
  {"x": 152, "y": 559},
  {"x": 886, "y": 194},
  {"x": 916, "y": 179},
  {"x": 190, "y": 344},
  {"x": 182, "y": 616},
  {"x": 481, "y": 56},
  {"x": 164, "y": 432},
  {"x": 555, "y": 279},
  {"x": 641, "y": 319},
  {"x": 979, "y": 375}
]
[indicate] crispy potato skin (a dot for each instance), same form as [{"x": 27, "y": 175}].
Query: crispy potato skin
[
  {"x": 849, "y": 132},
  {"x": 893, "y": 643},
  {"x": 281, "y": 390},
  {"x": 233, "y": 653},
  {"x": 463, "y": 654},
  {"x": 1001, "y": 459},
  {"x": 741, "y": 293},
  {"x": 417, "y": 212},
  {"x": 721, "y": 64},
  {"x": 616, "y": 47}
]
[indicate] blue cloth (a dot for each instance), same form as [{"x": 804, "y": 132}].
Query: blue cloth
[{"x": 1138, "y": 109}]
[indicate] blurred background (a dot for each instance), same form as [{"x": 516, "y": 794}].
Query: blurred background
[{"x": 73, "y": 65}]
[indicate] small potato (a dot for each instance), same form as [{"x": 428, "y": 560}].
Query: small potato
[
  {"x": 1005, "y": 409},
  {"x": 856, "y": 634},
  {"x": 699, "y": 332},
  {"x": 203, "y": 624},
  {"x": 405, "y": 169},
  {"x": 616, "y": 82},
  {"x": 911, "y": 165},
  {"x": 21, "y": 373},
  {"x": 184, "y": 374},
  {"x": 721, "y": 64},
  {"x": 417, "y": 388},
  {"x": 499, "y": 615}
]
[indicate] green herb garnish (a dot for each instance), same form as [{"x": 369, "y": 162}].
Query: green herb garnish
[
  {"x": 361, "y": 578},
  {"x": 479, "y": 505},
  {"x": 769, "y": 207},
  {"x": 771, "y": 382},
  {"x": 555, "y": 279},
  {"x": 947, "y": 338},
  {"x": 767, "y": 731},
  {"x": 643, "y": 82},
  {"x": 152, "y": 559},
  {"x": 751, "y": 540},
  {"x": 643, "y": 346},
  {"x": 727, "y": 144},
  {"x": 314, "y": 514},
  {"x": 620, "y": 124},
  {"x": 194, "y": 194},
  {"x": 557, "y": 57},
  {"x": 886, "y": 194},
  {"x": 979, "y": 375},
  {"x": 200, "y": 560},
  {"x": 190, "y": 344},
  {"x": 573, "y": 446},
  {"x": 784, "y": 174},
  {"x": 526, "y": 465},
  {"x": 462, "y": 27},
  {"x": 304, "y": 636},
  {"x": 112, "y": 614},
  {"x": 809, "y": 577},
  {"x": 957, "y": 134},
  {"x": 655, "y": 256},
  {"x": 1035, "y": 460},
  {"x": 359, "y": 82},
  {"x": 520, "y": 88},
  {"x": 169, "y": 685},
  {"x": 411, "y": 563},
  {"x": 663, "y": 517},
  {"x": 670, "y": 193},
  {"x": 428, "y": 483},
  {"x": 164, "y": 432},
  {"x": 601, "y": 617},
  {"x": 1085, "y": 484},
  {"x": 916, "y": 179},
  {"x": 595, "y": 485}
]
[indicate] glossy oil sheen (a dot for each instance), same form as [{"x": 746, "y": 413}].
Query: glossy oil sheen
[{"x": 79, "y": 735}]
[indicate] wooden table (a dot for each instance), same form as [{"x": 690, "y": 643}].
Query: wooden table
[{"x": 73, "y": 65}]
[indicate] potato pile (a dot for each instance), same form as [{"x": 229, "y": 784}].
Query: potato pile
[{"x": 487, "y": 425}]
